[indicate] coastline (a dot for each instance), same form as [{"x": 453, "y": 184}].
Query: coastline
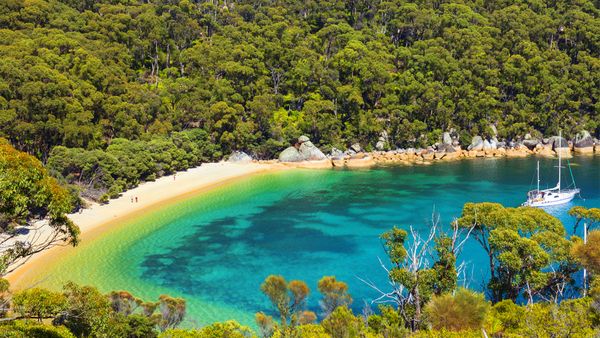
[{"x": 100, "y": 218}]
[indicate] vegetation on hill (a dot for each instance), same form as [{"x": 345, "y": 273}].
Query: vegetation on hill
[{"x": 254, "y": 75}]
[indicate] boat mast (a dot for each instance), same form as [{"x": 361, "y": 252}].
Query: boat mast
[
  {"x": 538, "y": 175},
  {"x": 559, "y": 162}
]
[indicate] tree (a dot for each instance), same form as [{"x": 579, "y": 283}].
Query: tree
[
  {"x": 335, "y": 294},
  {"x": 526, "y": 247},
  {"x": 288, "y": 298},
  {"x": 464, "y": 310},
  {"x": 87, "y": 311},
  {"x": 172, "y": 312},
  {"x": 29, "y": 194},
  {"x": 589, "y": 253},
  {"x": 38, "y": 303}
]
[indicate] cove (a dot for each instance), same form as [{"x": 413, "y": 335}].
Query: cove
[{"x": 216, "y": 248}]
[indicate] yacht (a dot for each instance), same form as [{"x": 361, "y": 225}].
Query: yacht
[{"x": 553, "y": 196}]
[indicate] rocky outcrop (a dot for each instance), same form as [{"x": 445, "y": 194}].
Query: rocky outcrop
[
  {"x": 291, "y": 154},
  {"x": 560, "y": 145},
  {"x": 239, "y": 157},
  {"x": 303, "y": 150},
  {"x": 584, "y": 143},
  {"x": 356, "y": 148},
  {"x": 476, "y": 143},
  {"x": 336, "y": 154}
]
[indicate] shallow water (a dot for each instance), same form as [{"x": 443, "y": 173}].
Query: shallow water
[{"x": 216, "y": 249}]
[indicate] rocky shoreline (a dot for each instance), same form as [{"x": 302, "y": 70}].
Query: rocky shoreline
[{"x": 304, "y": 154}]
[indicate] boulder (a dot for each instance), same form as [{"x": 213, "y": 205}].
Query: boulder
[
  {"x": 446, "y": 138},
  {"x": 494, "y": 143},
  {"x": 356, "y": 148},
  {"x": 239, "y": 157},
  {"x": 291, "y": 154},
  {"x": 303, "y": 139},
  {"x": 380, "y": 145},
  {"x": 476, "y": 143},
  {"x": 336, "y": 154},
  {"x": 446, "y": 148},
  {"x": 531, "y": 143},
  {"x": 583, "y": 139},
  {"x": 558, "y": 142},
  {"x": 304, "y": 150},
  {"x": 310, "y": 152},
  {"x": 487, "y": 145}
]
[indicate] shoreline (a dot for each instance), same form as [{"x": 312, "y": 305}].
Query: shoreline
[{"x": 98, "y": 219}]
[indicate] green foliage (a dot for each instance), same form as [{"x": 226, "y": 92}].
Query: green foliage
[
  {"x": 38, "y": 303},
  {"x": 87, "y": 311},
  {"x": 335, "y": 294},
  {"x": 289, "y": 299},
  {"x": 465, "y": 310},
  {"x": 29, "y": 329},
  {"x": 521, "y": 243},
  {"x": 253, "y": 74},
  {"x": 125, "y": 163},
  {"x": 27, "y": 193},
  {"x": 589, "y": 254}
]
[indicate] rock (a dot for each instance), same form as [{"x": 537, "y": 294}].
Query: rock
[
  {"x": 446, "y": 138},
  {"x": 336, "y": 154},
  {"x": 356, "y": 148},
  {"x": 311, "y": 153},
  {"x": 487, "y": 145},
  {"x": 583, "y": 139},
  {"x": 380, "y": 145},
  {"x": 476, "y": 143},
  {"x": 530, "y": 143},
  {"x": 494, "y": 143},
  {"x": 303, "y": 139},
  {"x": 446, "y": 148},
  {"x": 558, "y": 142},
  {"x": 291, "y": 154},
  {"x": 305, "y": 151},
  {"x": 428, "y": 155},
  {"x": 239, "y": 157}
]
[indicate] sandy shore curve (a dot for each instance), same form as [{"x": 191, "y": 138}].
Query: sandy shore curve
[{"x": 99, "y": 218}]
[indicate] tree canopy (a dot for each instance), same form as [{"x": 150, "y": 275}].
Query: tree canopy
[{"x": 254, "y": 75}]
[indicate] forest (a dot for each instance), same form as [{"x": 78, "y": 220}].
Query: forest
[{"x": 254, "y": 75}]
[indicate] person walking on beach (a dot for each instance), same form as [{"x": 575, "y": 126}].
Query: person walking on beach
[
  {"x": 131, "y": 199},
  {"x": 174, "y": 176},
  {"x": 136, "y": 200}
]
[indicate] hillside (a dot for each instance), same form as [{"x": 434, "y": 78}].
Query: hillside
[{"x": 256, "y": 74}]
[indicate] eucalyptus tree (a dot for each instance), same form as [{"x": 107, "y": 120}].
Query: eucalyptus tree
[
  {"x": 33, "y": 208},
  {"x": 526, "y": 247}
]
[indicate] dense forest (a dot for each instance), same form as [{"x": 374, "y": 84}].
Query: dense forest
[{"x": 256, "y": 74}]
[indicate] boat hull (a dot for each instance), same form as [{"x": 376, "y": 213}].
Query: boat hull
[{"x": 556, "y": 199}]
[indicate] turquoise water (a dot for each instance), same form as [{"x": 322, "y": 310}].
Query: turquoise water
[{"x": 216, "y": 249}]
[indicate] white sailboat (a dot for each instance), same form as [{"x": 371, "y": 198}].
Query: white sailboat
[{"x": 553, "y": 196}]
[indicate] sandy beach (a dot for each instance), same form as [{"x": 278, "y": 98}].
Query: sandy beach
[{"x": 98, "y": 218}]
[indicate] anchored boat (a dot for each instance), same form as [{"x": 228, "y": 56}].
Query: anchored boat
[{"x": 553, "y": 196}]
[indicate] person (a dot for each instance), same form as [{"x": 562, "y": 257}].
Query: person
[
  {"x": 131, "y": 199},
  {"x": 174, "y": 176},
  {"x": 136, "y": 200}
]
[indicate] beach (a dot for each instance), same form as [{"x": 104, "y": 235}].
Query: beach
[{"x": 99, "y": 218}]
